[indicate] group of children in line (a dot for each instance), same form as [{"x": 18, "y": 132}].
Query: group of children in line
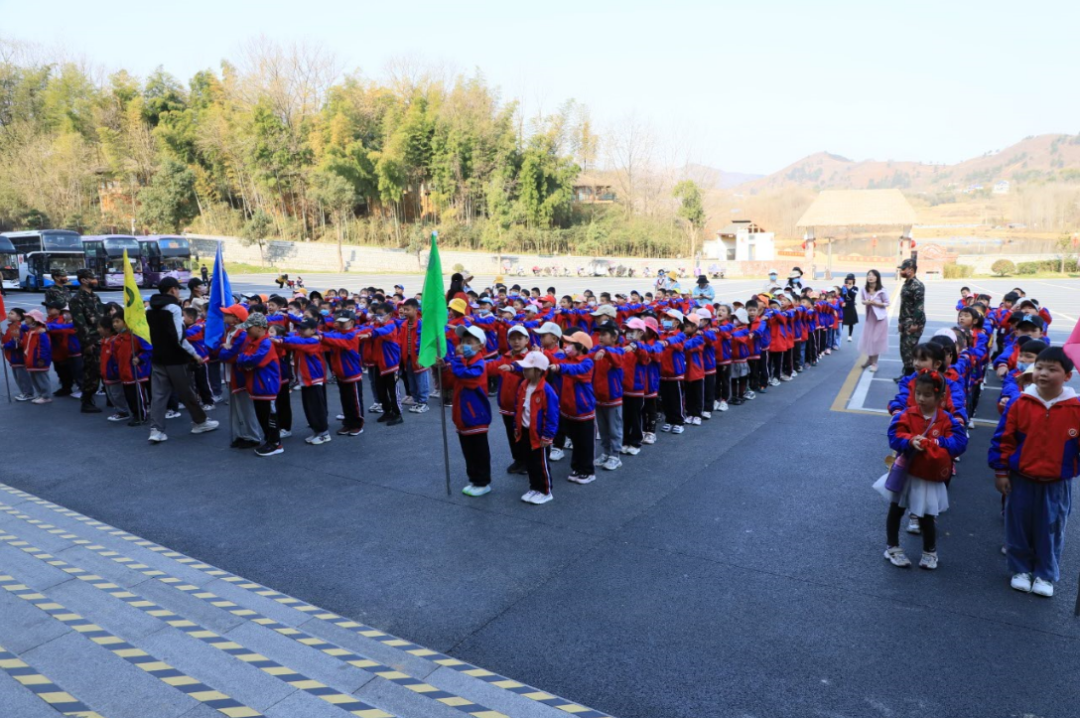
[{"x": 1034, "y": 451}]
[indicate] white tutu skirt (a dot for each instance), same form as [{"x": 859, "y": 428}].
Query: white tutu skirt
[{"x": 919, "y": 497}]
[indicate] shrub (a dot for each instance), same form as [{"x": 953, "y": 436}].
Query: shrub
[
  {"x": 1003, "y": 267},
  {"x": 1027, "y": 268},
  {"x": 952, "y": 270}
]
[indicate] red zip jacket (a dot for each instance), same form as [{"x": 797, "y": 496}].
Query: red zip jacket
[
  {"x": 945, "y": 438},
  {"x": 1036, "y": 440},
  {"x": 13, "y": 345},
  {"x": 608, "y": 376},
  {"x": 110, "y": 370},
  {"x": 37, "y": 349},
  {"x": 508, "y": 381},
  {"x": 636, "y": 359},
  {"x": 472, "y": 411},
  {"x": 695, "y": 362},
  {"x": 126, "y": 348},
  {"x": 672, "y": 357},
  {"x": 577, "y": 400},
  {"x": 259, "y": 360},
  {"x": 543, "y": 414},
  {"x": 409, "y": 339},
  {"x": 345, "y": 354},
  {"x": 308, "y": 355}
]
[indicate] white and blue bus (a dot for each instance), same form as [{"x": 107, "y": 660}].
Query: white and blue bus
[
  {"x": 105, "y": 258},
  {"x": 38, "y": 253},
  {"x": 9, "y": 265}
]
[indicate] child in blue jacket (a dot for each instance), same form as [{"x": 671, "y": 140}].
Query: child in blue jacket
[
  {"x": 472, "y": 411},
  {"x": 259, "y": 361}
]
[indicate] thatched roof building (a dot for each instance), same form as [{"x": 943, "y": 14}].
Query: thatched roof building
[{"x": 859, "y": 208}]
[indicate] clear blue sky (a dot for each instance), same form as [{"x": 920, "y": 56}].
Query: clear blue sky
[{"x": 751, "y": 86}]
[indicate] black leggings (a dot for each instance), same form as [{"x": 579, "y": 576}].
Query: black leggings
[
  {"x": 723, "y": 383},
  {"x": 671, "y": 397},
  {"x": 775, "y": 360},
  {"x": 926, "y": 525},
  {"x": 850, "y": 329},
  {"x": 387, "y": 394}
]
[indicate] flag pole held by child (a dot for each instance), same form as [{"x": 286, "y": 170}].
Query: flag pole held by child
[
  {"x": 7, "y": 381},
  {"x": 434, "y": 316}
]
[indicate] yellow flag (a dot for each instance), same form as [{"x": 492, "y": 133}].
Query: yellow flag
[{"x": 134, "y": 311}]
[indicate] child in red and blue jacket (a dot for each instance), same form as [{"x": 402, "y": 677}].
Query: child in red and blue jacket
[
  {"x": 243, "y": 422},
  {"x": 12, "y": 342},
  {"x": 472, "y": 411},
  {"x": 67, "y": 352},
  {"x": 344, "y": 345},
  {"x": 37, "y": 353},
  {"x": 608, "y": 378},
  {"x": 307, "y": 350},
  {"x": 636, "y": 361},
  {"x": 577, "y": 403},
  {"x": 694, "y": 390},
  {"x": 133, "y": 355},
  {"x": 258, "y": 359},
  {"x": 1035, "y": 453},
  {"x": 195, "y": 333},
  {"x": 417, "y": 378},
  {"x": 386, "y": 353},
  {"x": 741, "y": 342},
  {"x": 672, "y": 371},
  {"x": 110, "y": 371},
  {"x": 504, "y": 372},
  {"x": 724, "y": 328},
  {"x": 708, "y": 360},
  {"x": 283, "y": 403},
  {"x": 536, "y": 421}
]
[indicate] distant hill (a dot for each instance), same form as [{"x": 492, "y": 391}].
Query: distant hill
[
  {"x": 715, "y": 178},
  {"x": 1045, "y": 157}
]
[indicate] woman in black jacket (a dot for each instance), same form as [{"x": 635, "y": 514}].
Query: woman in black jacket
[{"x": 849, "y": 294}]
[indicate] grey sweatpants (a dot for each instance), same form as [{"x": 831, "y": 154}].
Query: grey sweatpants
[
  {"x": 115, "y": 392},
  {"x": 164, "y": 380},
  {"x": 22, "y": 379},
  {"x": 243, "y": 422},
  {"x": 609, "y": 426},
  {"x": 42, "y": 383}
]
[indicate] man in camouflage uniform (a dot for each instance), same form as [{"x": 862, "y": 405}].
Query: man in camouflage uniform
[
  {"x": 86, "y": 311},
  {"x": 912, "y": 315},
  {"x": 60, "y": 292}
]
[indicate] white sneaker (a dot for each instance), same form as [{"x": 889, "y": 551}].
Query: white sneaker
[
  {"x": 631, "y": 450},
  {"x": 648, "y": 438},
  {"x": 723, "y": 406},
  {"x": 156, "y": 437},
  {"x": 971, "y": 424},
  {"x": 120, "y": 417},
  {"x": 750, "y": 395},
  {"x": 569, "y": 444},
  {"x": 536, "y": 498},
  {"x": 556, "y": 454},
  {"x": 170, "y": 414},
  {"x": 785, "y": 377},
  {"x": 340, "y": 417},
  {"x": 321, "y": 439},
  {"x": 311, "y": 439},
  {"x": 612, "y": 463},
  {"x": 895, "y": 556},
  {"x": 706, "y": 415},
  {"x": 42, "y": 400},
  {"x": 677, "y": 429},
  {"x": 1042, "y": 587},
  {"x": 580, "y": 479},
  {"x": 913, "y": 525},
  {"x": 23, "y": 397},
  {"x": 774, "y": 382},
  {"x": 208, "y": 407},
  {"x": 849, "y": 338},
  {"x": 696, "y": 420},
  {"x": 375, "y": 409},
  {"x": 474, "y": 490},
  {"x": 600, "y": 460},
  {"x": 285, "y": 433},
  {"x": 928, "y": 560},
  {"x": 665, "y": 428},
  {"x": 419, "y": 409},
  {"x": 76, "y": 394},
  {"x": 1021, "y": 582},
  {"x": 208, "y": 425}
]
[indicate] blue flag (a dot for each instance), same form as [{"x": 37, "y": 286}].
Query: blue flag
[{"x": 220, "y": 297}]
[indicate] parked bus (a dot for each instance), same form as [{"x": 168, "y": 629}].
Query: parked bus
[
  {"x": 105, "y": 257},
  {"x": 39, "y": 253},
  {"x": 165, "y": 256},
  {"x": 9, "y": 265}
]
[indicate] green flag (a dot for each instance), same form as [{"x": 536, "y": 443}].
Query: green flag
[{"x": 433, "y": 306}]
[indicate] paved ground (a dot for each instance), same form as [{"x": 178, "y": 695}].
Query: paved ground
[{"x": 733, "y": 571}]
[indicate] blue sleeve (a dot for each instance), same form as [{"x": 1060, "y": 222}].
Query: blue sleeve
[
  {"x": 238, "y": 343},
  {"x": 697, "y": 341},
  {"x": 957, "y": 443},
  {"x": 897, "y": 444},
  {"x": 959, "y": 399},
  {"x": 900, "y": 401},
  {"x": 250, "y": 361},
  {"x": 463, "y": 370},
  {"x": 582, "y": 367},
  {"x": 551, "y": 416}
]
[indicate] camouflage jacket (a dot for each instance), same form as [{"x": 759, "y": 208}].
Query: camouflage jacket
[
  {"x": 86, "y": 311},
  {"x": 58, "y": 293},
  {"x": 912, "y": 305}
]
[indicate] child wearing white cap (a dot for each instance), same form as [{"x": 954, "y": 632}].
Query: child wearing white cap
[{"x": 536, "y": 420}]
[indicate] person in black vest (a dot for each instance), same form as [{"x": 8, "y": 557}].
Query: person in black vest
[{"x": 171, "y": 354}]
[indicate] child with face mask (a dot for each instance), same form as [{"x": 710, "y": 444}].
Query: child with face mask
[
  {"x": 472, "y": 411},
  {"x": 577, "y": 403},
  {"x": 536, "y": 419},
  {"x": 672, "y": 371},
  {"x": 636, "y": 360}
]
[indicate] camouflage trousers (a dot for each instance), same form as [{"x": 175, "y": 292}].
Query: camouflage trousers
[
  {"x": 91, "y": 375},
  {"x": 908, "y": 342}
]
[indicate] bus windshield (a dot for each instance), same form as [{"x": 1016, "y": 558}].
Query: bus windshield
[
  {"x": 61, "y": 241},
  {"x": 174, "y": 247},
  {"x": 115, "y": 246},
  {"x": 9, "y": 268},
  {"x": 69, "y": 263}
]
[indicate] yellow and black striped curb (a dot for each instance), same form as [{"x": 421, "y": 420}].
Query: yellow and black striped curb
[
  {"x": 39, "y": 684},
  {"x": 285, "y": 674},
  {"x": 441, "y": 659},
  {"x": 334, "y": 651},
  {"x": 135, "y": 656}
]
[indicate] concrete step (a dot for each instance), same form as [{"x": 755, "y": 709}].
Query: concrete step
[{"x": 259, "y": 647}]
